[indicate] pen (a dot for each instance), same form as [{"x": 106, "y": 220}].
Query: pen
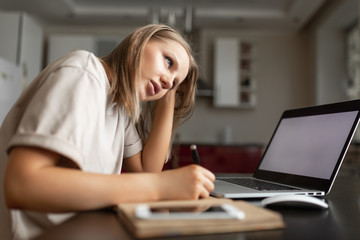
[{"x": 195, "y": 154}]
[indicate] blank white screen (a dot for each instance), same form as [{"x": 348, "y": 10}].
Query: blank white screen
[{"x": 308, "y": 146}]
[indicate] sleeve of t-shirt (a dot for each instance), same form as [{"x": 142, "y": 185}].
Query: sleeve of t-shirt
[
  {"x": 60, "y": 116},
  {"x": 133, "y": 142}
]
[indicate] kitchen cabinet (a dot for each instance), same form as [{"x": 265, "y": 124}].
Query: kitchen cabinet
[
  {"x": 22, "y": 42},
  {"x": 234, "y": 78}
]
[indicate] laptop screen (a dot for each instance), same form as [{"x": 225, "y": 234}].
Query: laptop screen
[{"x": 310, "y": 145}]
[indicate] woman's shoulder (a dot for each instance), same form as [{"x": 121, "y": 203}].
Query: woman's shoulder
[{"x": 80, "y": 59}]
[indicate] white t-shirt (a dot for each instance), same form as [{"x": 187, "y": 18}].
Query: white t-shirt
[{"x": 67, "y": 109}]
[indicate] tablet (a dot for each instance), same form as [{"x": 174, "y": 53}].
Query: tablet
[{"x": 202, "y": 211}]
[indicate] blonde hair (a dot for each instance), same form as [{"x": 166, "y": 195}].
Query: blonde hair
[{"x": 124, "y": 64}]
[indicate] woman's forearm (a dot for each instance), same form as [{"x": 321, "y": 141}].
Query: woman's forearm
[
  {"x": 33, "y": 182},
  {"x": 82, "y": 191},
  {"x": 157, "y": 145}
]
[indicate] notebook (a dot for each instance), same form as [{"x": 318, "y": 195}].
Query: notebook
[
  {"x": 303, "y": 156},
  {"x": 256, "y": 219}
]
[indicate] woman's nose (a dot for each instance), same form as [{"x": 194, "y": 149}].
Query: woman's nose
[{"x": 167, "y": 82}]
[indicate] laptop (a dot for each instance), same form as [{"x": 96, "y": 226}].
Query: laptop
[{"x": 303, "y": 156}]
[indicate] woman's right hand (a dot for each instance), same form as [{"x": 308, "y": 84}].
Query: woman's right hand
[{"x": 190, "y": 182}]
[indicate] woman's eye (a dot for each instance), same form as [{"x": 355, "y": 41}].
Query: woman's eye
[{"x": 169, "y": 62}]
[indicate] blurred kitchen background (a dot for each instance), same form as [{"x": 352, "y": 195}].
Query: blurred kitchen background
[{"x": 256, "y": 57}]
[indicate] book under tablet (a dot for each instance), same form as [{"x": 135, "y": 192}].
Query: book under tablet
[
  {"x": 303, "y": 156},
  {"x": 256, "y": 219}
]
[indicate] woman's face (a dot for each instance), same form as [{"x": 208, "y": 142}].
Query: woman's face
[{"x": 164, "y": 65}]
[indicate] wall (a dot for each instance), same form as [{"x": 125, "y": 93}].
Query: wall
[
  {"x": 282, "y": 82},
  {"x": 330, "y": 30},
  {"x": 331, "y": 66},
  {"x": 327, "y": 36}
]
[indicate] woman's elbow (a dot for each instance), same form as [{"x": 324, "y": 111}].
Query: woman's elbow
[
  {"x": 22, "y": 175},
  {"x": 13, "y": 194}
]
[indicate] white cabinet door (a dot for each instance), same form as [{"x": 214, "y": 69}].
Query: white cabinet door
[
  {"x": 22, "y": 42},
  {"x": 226, "y": 72},
  {"x": 31, "y": 48},
  {"x": 9, "y": 35},
  {"x": 10, "y": 86}
]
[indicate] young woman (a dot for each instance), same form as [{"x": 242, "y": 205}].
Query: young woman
[{"x": 83, "y": 119}]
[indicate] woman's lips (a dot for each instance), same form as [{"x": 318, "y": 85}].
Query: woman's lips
[{"x": 154, "y": 88}]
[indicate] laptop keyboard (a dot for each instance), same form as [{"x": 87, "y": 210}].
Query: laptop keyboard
[{"x": 256, "y": 184}]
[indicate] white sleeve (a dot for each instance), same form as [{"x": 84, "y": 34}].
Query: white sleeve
[{"x": 60, "y": 115}]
